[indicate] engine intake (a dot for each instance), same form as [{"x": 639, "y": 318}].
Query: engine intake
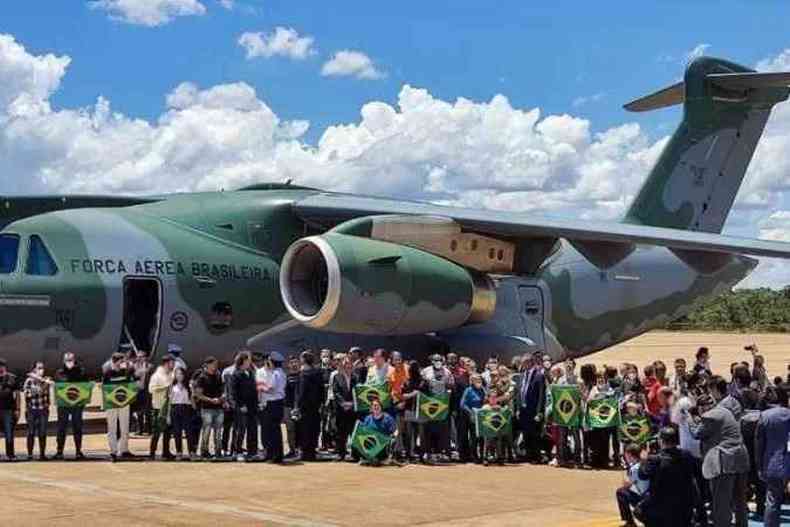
[{"x": 348, "y": 284}]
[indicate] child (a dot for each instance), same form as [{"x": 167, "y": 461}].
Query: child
[{"x": 633, "y": 490}]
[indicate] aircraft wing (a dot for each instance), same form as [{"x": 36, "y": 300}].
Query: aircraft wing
[
  {"x": 329, "y": 210},
  {"x": 13, "y": 208}
]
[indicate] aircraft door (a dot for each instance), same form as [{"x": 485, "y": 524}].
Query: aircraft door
[
  {"x": 142, "y": 313},
  {"x": 532, "y": 315}
]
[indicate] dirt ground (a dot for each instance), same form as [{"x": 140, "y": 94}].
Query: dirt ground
[{"x": 318, "y": 494}]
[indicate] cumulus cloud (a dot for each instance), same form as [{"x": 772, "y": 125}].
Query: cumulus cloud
[
  {"x": 349, "y": 63},
  {"x": 149, "y": 13},
  {"x": 462, "y": 152},
  {"x": 227, "y": 4},
  {"x": 283, "y": 42}
]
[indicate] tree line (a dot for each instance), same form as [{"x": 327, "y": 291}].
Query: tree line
[{"x": 740, "y": 310}]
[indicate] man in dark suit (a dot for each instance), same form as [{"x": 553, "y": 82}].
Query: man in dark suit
[
  {"x": 530, "y": 398},
  {"x": 771, "y": 453},
  {"x": 725, "y": 460},
  {"x": 673, "y": 493},
  {"x": 343, "y": 383},
  {"x": 310, "y": 398}
]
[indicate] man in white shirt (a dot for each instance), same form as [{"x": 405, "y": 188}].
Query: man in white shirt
[
  {"x": 634, "y": 488},
  {"x": 271, "y": 379}
]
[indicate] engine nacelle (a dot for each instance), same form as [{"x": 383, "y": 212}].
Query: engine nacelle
[{"x": 348, "y": 284}]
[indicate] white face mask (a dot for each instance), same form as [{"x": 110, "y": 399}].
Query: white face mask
[
  {"x": 69, "y": 364},
  {"x": 39, "y": 371}
]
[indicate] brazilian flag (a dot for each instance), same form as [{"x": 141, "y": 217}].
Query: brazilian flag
[
  {"x": 493, "y": 422},
  {"x": 603, "y": 413},
  {"x": 118, "y": 395},
  {"x": 566, "y": 406},
  {"x": 635, "y": 429},
  {"x": 433, "y": 407},
  {"x": 364, "y": 394},
  {"x": 369, "y": 442},
  {"x": 73, "y": 394}
]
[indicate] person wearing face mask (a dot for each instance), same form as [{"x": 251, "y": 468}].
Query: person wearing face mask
[
  {"x": 119, "y": 372},
  {"x": 245, "y": 402},
  {"x": 36, "y": 390},
  {"x": 272, "y": 398},
  {"x": 599, "y": 457},
  {"x": 702, "y": 364},
  {"x": 568, "y": 452},
  {"x": 70, "y": 372},
  {"x": 436, "y": 440},
  {"x": 310, "y": 398},
  {"x": 291, "y": 424}
]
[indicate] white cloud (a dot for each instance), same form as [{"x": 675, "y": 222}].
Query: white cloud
[
  {"x": 284, "y": 42},
  {"x": 780, "y": 62},
  {"x": 462, "y": 152},
  {"x": 698, "y": 51},
  {"x": 149, "y": 13},
  {"x": 227, "y": 4},
  {"x": 349, "y": 63},
  {"x": 587, "y": 99}
]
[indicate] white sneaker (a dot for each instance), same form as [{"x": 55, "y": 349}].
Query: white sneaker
[{"x": 240, "y": 458}]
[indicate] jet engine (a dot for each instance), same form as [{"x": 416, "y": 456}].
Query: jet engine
[{"x": 349, "y": 284}]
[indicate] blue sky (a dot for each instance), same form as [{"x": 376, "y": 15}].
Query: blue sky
[
  {"x": 506, "y": 105},
  {"x": 537, "y": 55}
]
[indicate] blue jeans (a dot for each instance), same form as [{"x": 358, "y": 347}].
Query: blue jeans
[
  {"x": 7, "y": 418},
  {"x": 774, "y": 498},
  {"x": 213, "y": 419}
]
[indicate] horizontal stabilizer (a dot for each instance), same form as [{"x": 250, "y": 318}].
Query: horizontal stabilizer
[
  {"x": 727, "y": 78},
  {"x": 670, "y": 96}
]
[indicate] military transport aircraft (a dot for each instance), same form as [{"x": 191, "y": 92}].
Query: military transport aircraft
[{"x": 284, "y": 267}]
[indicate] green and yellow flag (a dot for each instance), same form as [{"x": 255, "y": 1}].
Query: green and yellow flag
[
  {"x": 603, "y": 413},
  {"x": 493, "y": 422},
  {"x": 364, "y": 394},
  {"x": 73, "y": 394},
  {"x": 368, "y": 441},
  {"x": 433, "y": 407},
  {"x": 635, "y": 429},
  {"x": 118, "y": 395},
  {"x": 566, "y": 406}
]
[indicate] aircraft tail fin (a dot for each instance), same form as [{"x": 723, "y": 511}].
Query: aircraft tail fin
[{"x": 697, "y": 176}]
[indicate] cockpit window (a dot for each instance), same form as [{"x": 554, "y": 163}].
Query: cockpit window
[
  {"x": 39, "y": 261},
  {"x": 9, "y": 250}
]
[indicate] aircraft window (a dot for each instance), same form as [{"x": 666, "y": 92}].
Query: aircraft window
[
  {"x": 39, "y": 261},
  {"x": 9, "y": 250}
]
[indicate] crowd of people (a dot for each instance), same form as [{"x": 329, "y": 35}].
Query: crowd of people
[{"x": 715, "y": 442}]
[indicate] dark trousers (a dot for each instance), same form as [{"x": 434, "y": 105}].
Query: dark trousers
[
  {"x": 181, "y": 417},
  {"x": 73, "y": 415},
  {"x": 774, "y": 499},
  {"x": 345, "y": 426},
  {"x": 435, "y": 437},
  {"x": 272, "y": 429},
  {"x": 700, "y": 511},
  {"x": 245, "y": 425},
  {"x": 627, "y": 498},
  {"x": 530, "y": 435},
  {"x": 37, "y": 421},
  {"x": 7, "y": 419},
  {"x": 163, "y": 430},
  {"x": 141, "y": 411},
  {"x": 728, "y": 496},
  {"x": 309, "y": 430},
  {"x": 462, "y": 426}
]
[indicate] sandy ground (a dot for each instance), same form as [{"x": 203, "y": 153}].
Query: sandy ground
[{"x": 144, "y": 493}]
